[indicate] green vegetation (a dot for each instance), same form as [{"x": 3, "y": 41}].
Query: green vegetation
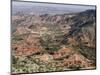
[
  {"x": 33, "y": 64},
  {"x": 17, "y": 38},
  {"x": 14, "y": 59},
  {"x": 75, "y": 66},
  {"x": 89, "y": 53},
  {"x": 47, "y": 41}
]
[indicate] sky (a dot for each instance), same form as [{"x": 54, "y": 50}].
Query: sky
[{"x": 48, "y": 7}]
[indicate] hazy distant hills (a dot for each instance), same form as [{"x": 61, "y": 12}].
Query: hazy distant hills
[{"x": 43, "y": 8}]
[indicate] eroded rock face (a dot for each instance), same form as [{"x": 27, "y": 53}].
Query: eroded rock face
[
  {"x": 62, "y": 52},
  {"x": 46, "y": 58},
  {"x": 28, "y": 46},
  {"x": 77, "y": 59},
  {"x": 54, "y": 42}
]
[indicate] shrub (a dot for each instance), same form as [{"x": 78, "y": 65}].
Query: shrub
[
  {"x": 14, "y": 60},
  {"x": 75, "y": 66},
  {"x": 17, "y": 38}
]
